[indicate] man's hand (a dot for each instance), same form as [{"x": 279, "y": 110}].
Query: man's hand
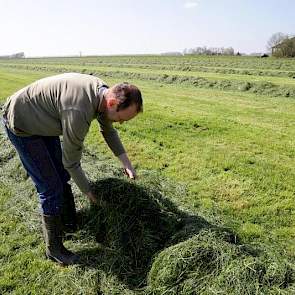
[
  {"x": 128, "y": 168},
  {"x": 130, "y": 172},
  {"x": 92, "y": 197},
  {"x": 94, "y": 200}
]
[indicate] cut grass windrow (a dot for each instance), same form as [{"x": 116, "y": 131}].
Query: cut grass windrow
[{"x": 222, "y": 83}]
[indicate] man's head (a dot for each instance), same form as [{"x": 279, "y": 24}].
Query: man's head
[{"x": 123, "y": 102}]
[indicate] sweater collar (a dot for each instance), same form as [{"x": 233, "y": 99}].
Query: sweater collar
[{"x": 101, "y": 98}]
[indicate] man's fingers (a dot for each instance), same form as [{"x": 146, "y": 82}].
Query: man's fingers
[
  {"x": 93, "y": 200},
  {"x": 131, "y": 174},
  {"x": 97, "y": 201}
]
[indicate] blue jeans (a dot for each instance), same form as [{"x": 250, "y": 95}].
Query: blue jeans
[{"x": 41, "y": 156}]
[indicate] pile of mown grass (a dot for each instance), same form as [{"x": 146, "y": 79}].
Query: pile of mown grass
[
  {"x": 208, "y": 264},
  {"x": 149, "y": 242},
  {"x": 145, "y": 241},
  {"x": 134, "y": 222}
]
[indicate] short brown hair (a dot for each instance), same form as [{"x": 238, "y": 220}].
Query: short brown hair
[{"x": 127, "y": 94}]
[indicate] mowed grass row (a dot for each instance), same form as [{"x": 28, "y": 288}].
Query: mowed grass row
[
  {"x": 234, "y": 151},
  {"x": 271, "y": 86},
  {"x": 144, "y": 63},
  {"x": 211, "y": 73}
]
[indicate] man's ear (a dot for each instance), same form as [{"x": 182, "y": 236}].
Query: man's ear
[{"x": 111, "y": 102}]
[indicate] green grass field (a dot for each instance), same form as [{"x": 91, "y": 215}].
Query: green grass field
[{"x": 216, "y": 139}]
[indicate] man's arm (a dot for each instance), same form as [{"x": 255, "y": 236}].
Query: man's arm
[
  {"x": 114, "y": 142},
  {"x": 75, "y": 128}
]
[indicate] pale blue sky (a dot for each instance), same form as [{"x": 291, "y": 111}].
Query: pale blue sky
[{"x": 66, "y": 27}]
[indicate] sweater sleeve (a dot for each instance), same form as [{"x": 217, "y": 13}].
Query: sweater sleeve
[
  {"x": 74, "y": 130},
  {"x": 110, "y": 135}
]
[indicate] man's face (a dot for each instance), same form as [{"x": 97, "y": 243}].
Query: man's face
[{"x": 122, "y": 115}]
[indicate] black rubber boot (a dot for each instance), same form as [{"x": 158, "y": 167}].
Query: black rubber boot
[
  {"x": 68, "y": 211},
  {"x": 55, "y": 250}
]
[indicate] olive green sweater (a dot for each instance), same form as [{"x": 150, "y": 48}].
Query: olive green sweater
[{"x": 63, "y": 105}]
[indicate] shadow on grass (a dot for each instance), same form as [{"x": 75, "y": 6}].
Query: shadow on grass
[{"x": 133, "y": 225}]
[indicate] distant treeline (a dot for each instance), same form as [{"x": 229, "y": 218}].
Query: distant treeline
[
  {"x": 203, "y": 51},
  {"x": 209, "y": 51},
  {"x": 16, "y": 55}
]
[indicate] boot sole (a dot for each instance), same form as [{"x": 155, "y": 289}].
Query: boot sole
[{"x": 60, "y": 263}]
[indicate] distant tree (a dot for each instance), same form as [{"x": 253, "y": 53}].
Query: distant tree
[
  {"x": 16, "y": 55},
  {"x": 281, "y": 45},
  {"x": 275, "y": 40},
  {"x": 228, "y": 51},
  {"x": 209, "y": 51},
  {"x": 290, "y": 47},
  {"x": 285, "y": 49}
]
